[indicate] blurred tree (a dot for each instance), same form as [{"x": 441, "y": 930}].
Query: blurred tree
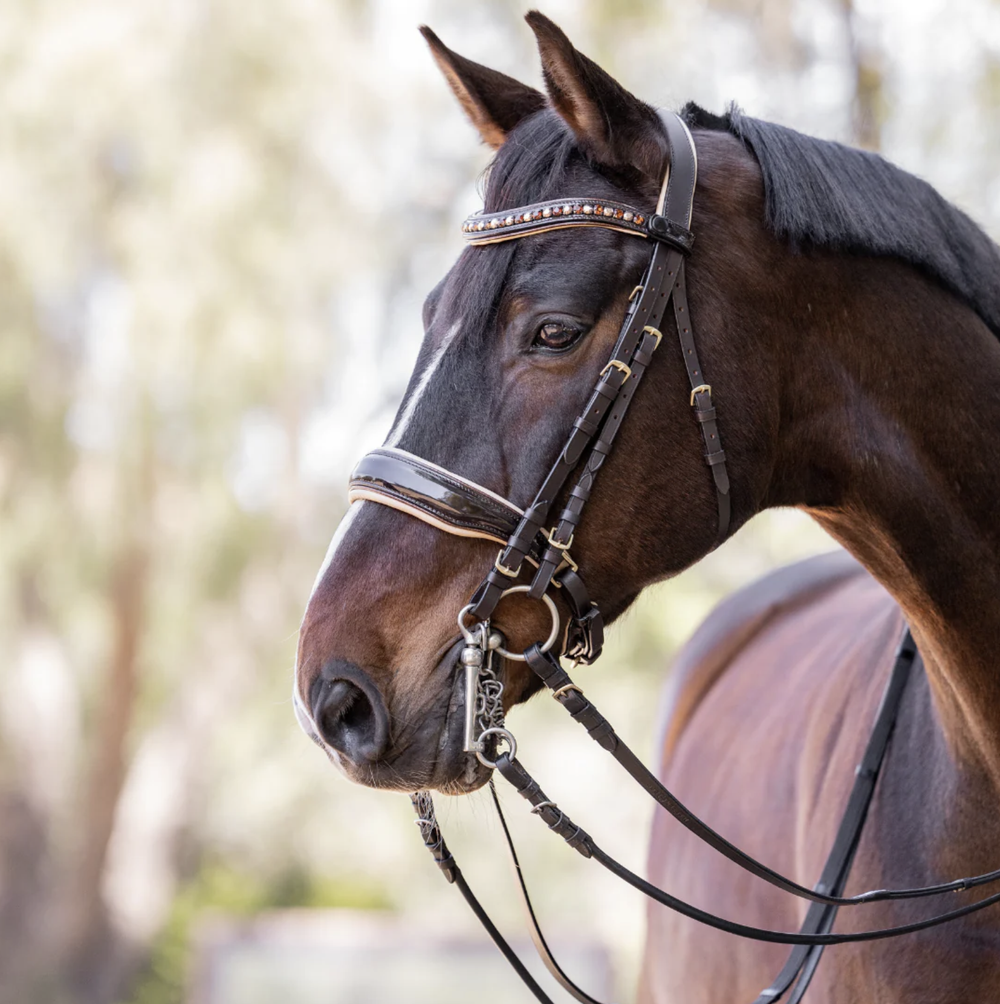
[{"x": 218, "y": 221}]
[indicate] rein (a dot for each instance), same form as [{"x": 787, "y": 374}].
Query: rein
[{"x": 456, "y": 505}]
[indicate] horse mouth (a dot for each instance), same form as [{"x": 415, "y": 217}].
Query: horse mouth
[{"x": 431, "y": 754}]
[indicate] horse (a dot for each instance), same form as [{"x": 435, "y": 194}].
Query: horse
[{"x": 847, "y": 319}]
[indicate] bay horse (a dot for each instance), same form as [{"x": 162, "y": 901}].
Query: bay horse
[{"x": 847, "y": 318}]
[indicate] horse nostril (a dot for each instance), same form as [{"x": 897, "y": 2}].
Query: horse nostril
[{"x": 348, "y": 721}]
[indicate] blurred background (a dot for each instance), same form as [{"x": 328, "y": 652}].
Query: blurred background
[{"x": 218, "y": 219}]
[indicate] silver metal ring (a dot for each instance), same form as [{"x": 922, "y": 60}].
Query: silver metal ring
[
  {"x": 553, "y": 635},
  {"x": 503, "y": 734},
  {"x": 470, "y": 638}
]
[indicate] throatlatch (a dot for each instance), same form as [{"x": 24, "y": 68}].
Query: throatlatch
[{"x": 456, "y": 505}]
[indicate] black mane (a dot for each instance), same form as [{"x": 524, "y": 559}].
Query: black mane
[{"x": 827, "y": 195}]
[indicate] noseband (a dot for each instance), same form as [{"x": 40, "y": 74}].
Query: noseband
[{"x": 456, "y": 505}]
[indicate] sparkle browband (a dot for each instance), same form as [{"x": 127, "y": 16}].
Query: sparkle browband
[{"x": 541, "y": 217}]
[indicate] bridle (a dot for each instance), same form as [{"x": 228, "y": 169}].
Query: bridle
[{"x": 456, "y": 505}]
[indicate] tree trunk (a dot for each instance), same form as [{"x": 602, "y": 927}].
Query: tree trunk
[{"x": 88, "y": 936}]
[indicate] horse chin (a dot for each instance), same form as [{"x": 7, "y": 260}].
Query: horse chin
[{"x": 455, "y": 776}]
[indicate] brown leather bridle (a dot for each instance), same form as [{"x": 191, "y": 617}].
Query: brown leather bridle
[{"x": 456, "y": 505}]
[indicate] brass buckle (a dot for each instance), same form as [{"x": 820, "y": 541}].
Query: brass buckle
[
  {"x": 618, "y": 365},
  {"x": 637, "y": 289},
  {"x": 702, "y": 388},
  {"x": 558, "y": 545},
  {"x": 649, "y": 329},
  {"x": 556, "y": 694},
  {"x": 567, "y": 560},
  {"x": 503, "y": 569}
]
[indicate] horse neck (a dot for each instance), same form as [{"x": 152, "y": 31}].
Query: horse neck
[{"x": 890, "y": 419}]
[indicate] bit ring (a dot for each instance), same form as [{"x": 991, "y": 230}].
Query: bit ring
[
  {"x": 553, "y": 634},
  {"x": 467, "y": 634},
  {"x": 503, "y": 734}
]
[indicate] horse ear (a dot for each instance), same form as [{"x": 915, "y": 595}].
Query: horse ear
[
  {"x": 493, "y": 101},
  {"x": 612, "y": 125}
]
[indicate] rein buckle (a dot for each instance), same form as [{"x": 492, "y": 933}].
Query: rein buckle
[{"x": 703, "y": 388}]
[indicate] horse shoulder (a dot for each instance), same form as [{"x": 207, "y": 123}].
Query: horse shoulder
[{"x": 731, "y": 626}]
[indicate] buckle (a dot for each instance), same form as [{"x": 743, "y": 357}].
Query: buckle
[
  {"x": 557, "y": 544},
  {"x": 585, "y": 636},
  {"x": 650, "y": 330},
  {"x": 702, "y": 388},
  {"x": 556, "y": 694},
  {"x": 502, "y": 568},
  {"x": 618, "y": 365}
]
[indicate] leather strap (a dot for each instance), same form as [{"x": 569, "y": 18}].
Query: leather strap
[
  {"x": 446, "y": 501},
  {"x": 701, "y": 401},
  {"x": 403, "y": 480},
  {"x": 644, "y": 312},
  {"x": 584, "y": 844},
  {"x": 571, "y": 697},
  {"x": 541, "y": 945},
  {"x": 802, "y": 961},
  {"x": 433, "y": 839}
]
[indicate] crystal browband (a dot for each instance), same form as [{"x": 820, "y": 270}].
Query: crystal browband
[{"x": 490, "y": 228}]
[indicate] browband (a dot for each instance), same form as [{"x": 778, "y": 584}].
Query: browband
[{"x": 558, "y": 214}]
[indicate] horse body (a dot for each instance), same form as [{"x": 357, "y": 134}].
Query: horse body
[
  {"x": 767, "y": 726},
  {"x": 847, "y": 319}
]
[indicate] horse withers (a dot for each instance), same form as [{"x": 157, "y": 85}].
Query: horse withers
[{"x": 847, "y": 321}]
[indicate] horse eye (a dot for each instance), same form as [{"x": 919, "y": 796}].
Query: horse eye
[{"x": 556, "y": 337}]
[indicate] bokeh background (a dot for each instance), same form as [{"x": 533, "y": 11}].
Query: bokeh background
[{"x": 218, "y": 219}]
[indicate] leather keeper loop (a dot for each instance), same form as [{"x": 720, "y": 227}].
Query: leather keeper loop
[
  {"x": 546, "y": 668},
  {"x": 604, "y": 735},
  {"x": 574, "y": 592},
  {"x": 571, "y": 514},
  {"x": 586, "y": 425},
  {"x": 602, "y": 446},
  {"x": 522, "y": 782},
  {"x": 487, "y": 596},
  {"x": 607, "y": 386},
  {"x": 708, "y": 415},
  {"x": 543, "y": 577},
  {"x": 719, "y": 457}
]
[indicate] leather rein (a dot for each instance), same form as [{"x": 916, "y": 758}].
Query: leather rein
[{"x": 456, "y": 505}]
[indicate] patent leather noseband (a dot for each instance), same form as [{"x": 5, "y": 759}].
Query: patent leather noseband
[{"x": 404, "y": 481}]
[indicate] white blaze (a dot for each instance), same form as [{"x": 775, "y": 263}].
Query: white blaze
[
  {"x": 418, "y": 391},
  {"x": 401, "y": 426}
]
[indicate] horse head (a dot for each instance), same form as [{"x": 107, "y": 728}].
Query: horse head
[{"x": 516, "y": 335}]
